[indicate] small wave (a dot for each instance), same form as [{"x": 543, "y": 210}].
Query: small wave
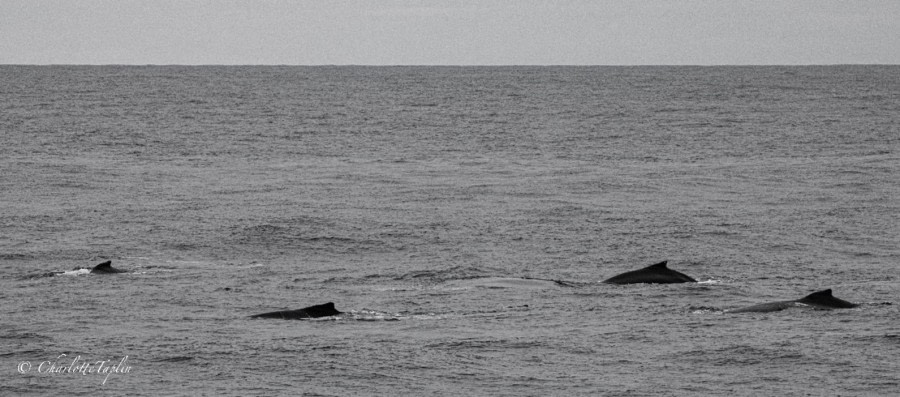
[
  {"x": 479, "y": 344},
  {"x": 397, "y": 289},
  {"x": 452, "y": 273},
  {"x": 317, "y": 235},
  {"x": 25, "y": 336},
  {"x": 76, "y": 272},
  {"x": 704, "y": 310},
  {"x": 10, "y": 257},
  {"x": 251, "y": 265},
  {"x": 372, "y": 315},
  {"x": 175, "y": 359}
]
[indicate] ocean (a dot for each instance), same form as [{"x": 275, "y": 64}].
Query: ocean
[{"x": 435, "y": 206}]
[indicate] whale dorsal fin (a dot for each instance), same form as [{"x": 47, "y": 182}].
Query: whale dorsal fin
[
  {"x": 825, "y": 299},
  {"x": 325, "y": 309},
  {"x": 660, "y": 265},
  {"x": 826, "y": 294},
  {"x": 104, "y": 265}
]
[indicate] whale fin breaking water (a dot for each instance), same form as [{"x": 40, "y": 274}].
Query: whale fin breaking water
[
  {"x": 655, "y": 274},
  {"x": 106, "y": 268},
  {"x": 825, "y": 299},
  {"x": 821, "y": 300},
  {"x": 316, "y": 311}
]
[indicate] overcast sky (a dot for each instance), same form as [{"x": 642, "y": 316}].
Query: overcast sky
[{"x": 450, "y": 32}]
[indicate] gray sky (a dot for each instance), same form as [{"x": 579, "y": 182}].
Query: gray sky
[{"x": 450, "y": 32}]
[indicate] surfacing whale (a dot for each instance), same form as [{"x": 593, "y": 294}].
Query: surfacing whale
[
  {"x": 106, "y": 268},
  {"x": 323, "y": 310},
  {"x": 822, "y": 300},
  {"x": 103, "y": 268},
  {"x": 507, "y": 282},
  {"x": 654, "y": 274}
]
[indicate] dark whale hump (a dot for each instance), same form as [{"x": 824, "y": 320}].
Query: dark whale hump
[
  {"x": 325, "y": 309},
  {"x": 655, "y": 274},
  {"x": 316, "y": 311},
  {"x": 824, "y": 299},
  {"x": 106, "y": 268}
]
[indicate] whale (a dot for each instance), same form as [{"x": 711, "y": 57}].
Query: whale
[
  {"x": 653, "y": 274},
  {"x": 106, "y": 268},
  {"x": 102, "y": 268},
  {"x": 508, "y": 283},
  {"x": 316, "y": 311},
  {"x": 821, "y": 300}
]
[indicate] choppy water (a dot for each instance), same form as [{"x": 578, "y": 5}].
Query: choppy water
[{"x": 425, "y": 195}]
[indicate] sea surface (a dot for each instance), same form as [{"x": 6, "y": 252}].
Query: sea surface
[{"x": 436, "y": 206}]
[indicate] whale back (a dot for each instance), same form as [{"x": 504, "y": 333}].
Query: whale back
[
  {"x": 323, "y": 310},
  {"x": 825, "y": 300},
  {"x": 658, "y": 273},
  {"x": 764, "y": 307},
  {"x": 316, "y": 311},
  {"x": 818, "y": 300},
  {"x": 106, "y": 268}
]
